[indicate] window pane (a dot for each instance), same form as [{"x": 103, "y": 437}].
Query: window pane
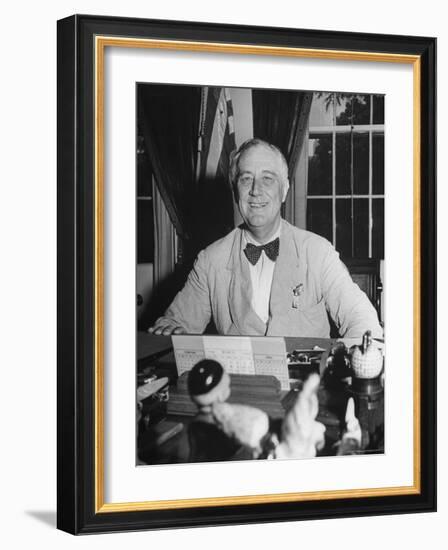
[
  {"x": 352, "y": 244},
  {"x": 343, "y": 145},
  {"x": 319, "y": 164},
  {"x": 361, "y": 211},
  {"x": 378, "y": 164},
  {"x": 344, "y": 227},
  {"x": 378, "y": 109},
  {"x": 378, "y": 228},
  {"x": 145, "y": 229},
  {"x": 352, "y": 109},
  {"x": 321, "y": 113},
  {"x": 361, "y": 109},
  {"x": 361, "y": 164},
  {"x": 343, "y": 109},
  {"x": 319, "y": 217}
]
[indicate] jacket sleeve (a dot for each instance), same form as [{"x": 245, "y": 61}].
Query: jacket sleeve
[
  {"x": 191, "y": 307},
  {"x": 348, "y": 305}
]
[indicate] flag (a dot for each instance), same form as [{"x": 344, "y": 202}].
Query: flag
[
  {"x": 216, "y": 143},
  {"x": 217, "y": 134}
]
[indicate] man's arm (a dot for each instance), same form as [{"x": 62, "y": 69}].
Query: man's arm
[
  {"x": 190, "y": 311},
  {"x": 347, "y": 304}
]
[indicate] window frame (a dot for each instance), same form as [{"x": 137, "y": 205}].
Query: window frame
[{"x": 334, "y": 130}]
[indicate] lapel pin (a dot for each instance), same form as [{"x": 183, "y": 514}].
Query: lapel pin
[{"x": 297, "y": 292}]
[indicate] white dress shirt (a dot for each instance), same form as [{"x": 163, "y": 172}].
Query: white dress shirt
[{"x": 261, "y": 275}]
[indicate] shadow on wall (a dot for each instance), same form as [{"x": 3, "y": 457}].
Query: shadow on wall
[{"x": 48, "y": 517}]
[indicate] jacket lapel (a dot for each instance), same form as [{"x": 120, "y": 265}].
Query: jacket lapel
[
  {"x": 244, "y": 318},
  {"x": 288, "y": 273}
]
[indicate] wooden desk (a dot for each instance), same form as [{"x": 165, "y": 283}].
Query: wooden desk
[{"x": 155, "y": 352}]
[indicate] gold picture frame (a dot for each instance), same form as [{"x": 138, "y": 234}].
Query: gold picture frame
[{"x": 82, "y": 43}]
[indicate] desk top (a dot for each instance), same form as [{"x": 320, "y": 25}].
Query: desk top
[{"x": 333, "y": 394}]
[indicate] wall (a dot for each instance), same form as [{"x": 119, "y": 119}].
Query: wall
[{"x": 28, "y": 274}]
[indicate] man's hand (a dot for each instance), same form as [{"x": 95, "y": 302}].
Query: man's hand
[{"x": 163, "y": 327}]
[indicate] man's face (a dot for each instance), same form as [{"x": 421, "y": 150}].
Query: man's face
[{"x": 260, "y": 189}]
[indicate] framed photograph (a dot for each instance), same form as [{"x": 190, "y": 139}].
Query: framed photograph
[{"x": 246, "y": 274}]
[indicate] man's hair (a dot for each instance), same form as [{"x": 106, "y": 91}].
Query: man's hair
[{"x": 248, "y": 144}]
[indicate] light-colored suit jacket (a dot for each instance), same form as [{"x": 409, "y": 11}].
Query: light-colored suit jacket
[{"x": 219, "y": 287}]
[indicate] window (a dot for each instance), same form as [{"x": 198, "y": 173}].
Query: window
[{"x": 345, "y": 196}]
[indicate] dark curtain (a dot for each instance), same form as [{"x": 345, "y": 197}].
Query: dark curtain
[
  {"x": 169, "y": 118},
  {"x": 276, "y": 118}
]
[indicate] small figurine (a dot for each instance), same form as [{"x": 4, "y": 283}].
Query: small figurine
[
  {"x": 209, "y": 387},
  {"x": 246, "y": 425},
  {"x": 301, "y": 435},
  {"x": 366, "y": 359},
  {"x": 352, "y": 436}
]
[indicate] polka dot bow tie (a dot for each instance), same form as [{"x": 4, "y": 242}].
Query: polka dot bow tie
[{"x": 271, "y": 249}]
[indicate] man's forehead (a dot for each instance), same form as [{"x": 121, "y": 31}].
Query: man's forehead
[{"x": 260, "y": 155}]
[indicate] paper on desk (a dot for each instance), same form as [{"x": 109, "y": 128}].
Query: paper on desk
[
  {"x": 270, "y": 358},
  {"x": 237, "y": 354},
  {"x": 233, "y": 352},
  {"x": 188, "y": 350}
]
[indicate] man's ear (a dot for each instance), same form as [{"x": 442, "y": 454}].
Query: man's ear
[{"x": 285, "y": 189}]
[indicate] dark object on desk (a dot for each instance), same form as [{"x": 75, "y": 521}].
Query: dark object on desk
[
  {"x": 369, "y": 400},
  {"x": 338, "y": 362},
  {"x": 152, "y": 397},
  {"x": 367, "y": 386},
  {"x": 197, "y": 441},
  {"x": 151, "y": 347},
  {"x": 302, "y": 363}
]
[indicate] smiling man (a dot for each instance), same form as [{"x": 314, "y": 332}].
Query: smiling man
[
  {"x": 268, "y": 277},
  {"x": 260, "y": 181}
]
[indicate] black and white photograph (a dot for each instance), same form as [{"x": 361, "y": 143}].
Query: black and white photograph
[{"x": 259, "y": 273}]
